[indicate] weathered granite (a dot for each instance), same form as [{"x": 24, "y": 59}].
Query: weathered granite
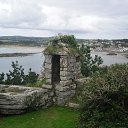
[
  {"x": 46, "y": 86},
  {"x": 48, "y": 59},
  {"x": 74, "y": 105},
  {"x": 69, "y": 66},
  {"x": 19, "y": 99},
  {"x": 69, "y": 73}
]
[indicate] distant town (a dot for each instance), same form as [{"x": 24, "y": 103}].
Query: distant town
[{"x": 108, "y": 45}]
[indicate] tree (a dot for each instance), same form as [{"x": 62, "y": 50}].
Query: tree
[
  {"x": 89, "y": 65},
  {"x": 16, "y": 76},
  {"x": 2, "y": 77}
]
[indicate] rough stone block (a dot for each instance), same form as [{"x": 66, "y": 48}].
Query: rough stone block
[
  {"x": 47, "y": 66},
  {"x": 48, "y": 81},
  {"x": 72, "y": 60},
  {"x": 65, "y": 73},
  {"x": 51, "y": 94},
  {"x": 65, "y": 83},
  {"x": 46, "y": 86},
  {"x": 63, "y": 78},
  {"x": 62, "y": 89},
  {"x": 73, "y": 86},
  {"x": 19, "y": 99},
  {"x": 72, "y": 93},
  {"x": 63, "y": 69},
  {"x": 63, "y": 62},
  {"x": 74, "y": 105},
  {"x": 48, "y": 75},
  {"x": 46, "y": 70},
  {"x": 48, "y": 59},
  {"x": 63, "y": 94}
]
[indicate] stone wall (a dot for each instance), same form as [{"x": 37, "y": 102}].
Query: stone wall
[
  {"x": 19, "y": 99},
  {"x": 48, "y": 68},
  {"x": 69, "y": 73}
]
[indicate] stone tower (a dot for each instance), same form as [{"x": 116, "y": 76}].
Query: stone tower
[{"x": 61, "y": 70}]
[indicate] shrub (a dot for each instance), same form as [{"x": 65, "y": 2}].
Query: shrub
[
  {"x": 16, "y": 76},
  {"x": 31, "y": 77},
  {"x": 105, "y": 99},
  {"x": 68, "y": 39},
  {"x": 38, "y": 83},
  {"x": 58, "y": 42}
]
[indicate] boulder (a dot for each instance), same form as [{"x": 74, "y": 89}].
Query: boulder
[{"x": 19, "y": 99}]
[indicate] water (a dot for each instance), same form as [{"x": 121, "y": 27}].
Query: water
[
  {"x": 110, "y": 59},
  {"x": 35, "y": 61}
]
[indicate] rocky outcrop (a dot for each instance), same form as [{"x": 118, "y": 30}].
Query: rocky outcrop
[{"x": 19, "y": 99}]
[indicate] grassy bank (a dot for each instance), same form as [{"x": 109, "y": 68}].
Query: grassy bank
[{"x": 54, "y": 117}]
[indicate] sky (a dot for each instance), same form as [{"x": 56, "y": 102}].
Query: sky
[{"x": 88, "y": 19}]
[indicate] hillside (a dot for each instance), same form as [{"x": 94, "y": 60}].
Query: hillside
[{"x": 22, "y": 40}]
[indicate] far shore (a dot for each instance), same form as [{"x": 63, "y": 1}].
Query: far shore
[
  {"x": 30, "y": 48},
  {"x": 21, "y": 51},
  {"x": 16, "y": 54},
  {"x": 20, "y": 46}
]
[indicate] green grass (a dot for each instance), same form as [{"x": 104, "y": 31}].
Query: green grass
[{"x": 54, "y": 117}]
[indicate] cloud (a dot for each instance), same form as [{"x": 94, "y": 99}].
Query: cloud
[{"x": 84, "y": 18}]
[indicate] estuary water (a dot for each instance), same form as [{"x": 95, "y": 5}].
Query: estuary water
[
  {"x": 110, "y": 59},
  {"x": 35, "y": 61}
]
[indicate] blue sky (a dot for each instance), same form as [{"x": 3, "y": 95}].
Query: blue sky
[{"x": 83, "y": 18}]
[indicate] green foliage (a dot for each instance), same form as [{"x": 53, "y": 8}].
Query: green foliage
[
  {"x": 73, "y": 51},
  {"x": 105, "y": 99},
  {"x": 51, "y": 49},
  {"x": 89, "y": 65},
  {"x": 53, "y": 117},
  {"x": 59, "y": 42},
  {"x": 2, "y": 77},
  {"x": 17, "y": 76},
  {"x": 31, "y": 77},
  {"x": 67, "y": 39},
  {"x": 38, "y": 83}
]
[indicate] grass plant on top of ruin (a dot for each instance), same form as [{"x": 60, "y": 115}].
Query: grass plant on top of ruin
[{"x": 62, "y": 43}]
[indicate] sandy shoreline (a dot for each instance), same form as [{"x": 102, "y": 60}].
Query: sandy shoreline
[{"x": 24, "y": 48}]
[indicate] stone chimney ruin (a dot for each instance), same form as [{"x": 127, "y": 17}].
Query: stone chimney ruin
[{"x": 61, "y": 70}]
